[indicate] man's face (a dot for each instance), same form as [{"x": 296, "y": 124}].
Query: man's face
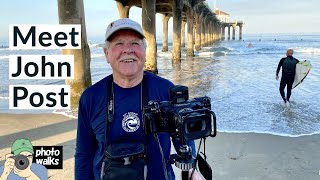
[
  {"x": 126, "y": 53},
  {"x": 289, "y": 53}
]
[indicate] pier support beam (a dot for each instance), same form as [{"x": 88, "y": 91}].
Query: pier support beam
[
  {"x": 240, "y": 32},
  {"x": 207, "y": 32},
  {"x": 165, "y": 19},
  {"x": 149, "y": 30},
  {"x": 183, "y": 34},
  {"x": 198, "y": 33},
  {"x": 205, "y": 23},
  {"x": 212, "y": 34},
  {"x": 203, "y": 29},
  {"x": 223, "y": 32},
  {"x": 72, "y": 12},
  {"x": 233, "y": 32},
  {"x": 229, "y": 32},
  {"x": 219, "y": 31},
  {"x": 215, "y": 31},
  {"x": 194, "y": 31},
  {"x": 123, "y": 9},
  {"x": 190, "y": 18},
  {"x": 176, "y": 40}
]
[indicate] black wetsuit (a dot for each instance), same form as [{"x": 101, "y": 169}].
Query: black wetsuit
[{"x": 288, "y": 65}]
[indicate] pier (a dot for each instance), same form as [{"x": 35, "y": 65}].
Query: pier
[
  {"x": 232, "y": 25},
  {"x": 224, "y": 19},
  {"x": 204, "y": 28}
]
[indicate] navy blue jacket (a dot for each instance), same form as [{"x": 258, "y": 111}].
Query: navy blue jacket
[{"x": 91, "y": 127}]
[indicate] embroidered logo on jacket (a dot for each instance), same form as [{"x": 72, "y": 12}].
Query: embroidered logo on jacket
[{"x": 130, "y": 122}]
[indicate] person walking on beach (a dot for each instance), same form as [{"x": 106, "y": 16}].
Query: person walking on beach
[
  {"x": 111, "y": 143},
  {"x": 288, "y": 65}
]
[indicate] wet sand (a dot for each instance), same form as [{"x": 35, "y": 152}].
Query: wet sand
[{"x": 242, "y": 156}]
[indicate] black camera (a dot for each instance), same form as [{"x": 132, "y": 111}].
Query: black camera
[
  {"x": 182, "y": 118},
  {"x": 21, "y": 162}
]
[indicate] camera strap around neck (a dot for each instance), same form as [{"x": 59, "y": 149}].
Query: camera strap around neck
[{"x": 110, "y": 103}]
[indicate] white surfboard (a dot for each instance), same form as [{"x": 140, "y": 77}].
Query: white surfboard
[{"x": 302, "y": 70}]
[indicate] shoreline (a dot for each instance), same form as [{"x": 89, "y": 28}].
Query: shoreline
[
  {"x": 270, "y": 133},
  {"x": 73, "y": 115},
  {"x": 231, "y": 155}
]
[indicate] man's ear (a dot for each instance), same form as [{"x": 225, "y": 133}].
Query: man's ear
[{"x": 106, "y": 54}]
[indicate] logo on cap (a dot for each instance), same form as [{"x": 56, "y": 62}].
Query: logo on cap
[{"x": 121, "y": 24}]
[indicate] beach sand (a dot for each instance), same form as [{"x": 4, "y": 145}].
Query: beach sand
[{"x": 242, "y": 156}]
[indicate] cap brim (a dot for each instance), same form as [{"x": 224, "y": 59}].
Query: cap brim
[
  {"x": 18, "y": 151},
  {"x": 124, "y": 28}
]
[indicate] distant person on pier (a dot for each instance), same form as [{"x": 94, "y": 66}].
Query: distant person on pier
[
  {"x": 288, "y": 65},
  {"x": 111, "y": 143}
]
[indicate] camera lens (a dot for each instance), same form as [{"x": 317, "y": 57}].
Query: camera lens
[
  {"x": 194, "y": 126},
  {"x": 21, "y": 162}
]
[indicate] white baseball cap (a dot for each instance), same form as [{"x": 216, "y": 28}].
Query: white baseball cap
[{"x": 120, "y": 24}]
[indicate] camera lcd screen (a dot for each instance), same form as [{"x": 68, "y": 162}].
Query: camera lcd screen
[{"x": 181, "y": 100}]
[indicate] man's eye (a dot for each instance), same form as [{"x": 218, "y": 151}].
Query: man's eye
[
  {"x": 119, "y": 44},
  {"x": 135, "y": 43}
]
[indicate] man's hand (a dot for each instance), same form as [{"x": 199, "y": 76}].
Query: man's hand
[
  {"x": 277, "y": 77},
  {"x": 195, "y": 176},
  {"x": 7, "y": 167},
  {"x": 26, "y": 173}
]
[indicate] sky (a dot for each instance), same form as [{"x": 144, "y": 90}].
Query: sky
[{"x": 260, "y": 16}]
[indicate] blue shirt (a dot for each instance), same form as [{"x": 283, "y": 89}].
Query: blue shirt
[{"x": 126, "y": 126}]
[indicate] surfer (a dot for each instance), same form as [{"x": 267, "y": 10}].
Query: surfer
[
  {"x": 250, "y": 45},
  {"x": 288, "y": 65}
]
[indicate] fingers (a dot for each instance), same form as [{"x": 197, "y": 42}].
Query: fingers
[
  {"x": 16, "y": 170},
  {"x": 9, "y": 160},
  {"x": 9, "y": 164},
  {"x": 195, "y": 175},
  {"x": 8, "y": 156},
  {"x": 23, "y": 173}
]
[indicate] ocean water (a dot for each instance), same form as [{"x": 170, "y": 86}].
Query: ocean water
[{"x": 239, "y": 80}]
